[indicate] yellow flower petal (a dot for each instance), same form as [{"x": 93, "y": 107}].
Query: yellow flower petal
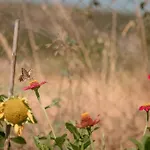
[
  {"x": 18, "y": 129},
  {"x": 30, "y": 116},
  {"x": 1, "y": 110},
  {"x": 1, "y": 115},
  {"x": 2, "y": 104}
]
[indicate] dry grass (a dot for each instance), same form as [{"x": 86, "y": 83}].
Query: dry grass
[{"x": 80, "y": 73}]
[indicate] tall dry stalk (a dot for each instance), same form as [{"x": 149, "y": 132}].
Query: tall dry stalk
[
  {"x": 66, "y": 15},
  {"x": 113, "y": 49},
  {"x": 5, "y": 46},
  {"x": 12, "y": 78},
  {"x": 34, "y": 46},
  {"x": 141, "y": 27}
]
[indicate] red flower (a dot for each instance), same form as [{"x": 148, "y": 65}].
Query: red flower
[
  {"x": 87, "y": 121},
  {"x": 34, "y": 85},
  {"x": 145, "y": 107},
  {"x": 149, "y": 76}
]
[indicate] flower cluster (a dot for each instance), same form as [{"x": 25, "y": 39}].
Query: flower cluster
[{"x": 87, "y": 121}]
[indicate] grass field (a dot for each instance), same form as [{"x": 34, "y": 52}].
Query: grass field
[{"x": 88, "y": 63}]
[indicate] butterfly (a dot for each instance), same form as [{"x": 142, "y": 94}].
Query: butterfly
[{"x": 25, "y": 75}]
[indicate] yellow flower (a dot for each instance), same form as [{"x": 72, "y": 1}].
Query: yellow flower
[
  {"x": 15, "y": 111},
  {"x": 18, "y": 129}
]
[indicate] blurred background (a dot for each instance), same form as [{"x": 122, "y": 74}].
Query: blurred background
[{"x": 94, "y": 54}]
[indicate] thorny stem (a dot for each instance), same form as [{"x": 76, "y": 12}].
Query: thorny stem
[{"x": 44, "y": 111}]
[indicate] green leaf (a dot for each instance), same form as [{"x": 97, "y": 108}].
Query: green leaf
[
  {"x": 96, "y": 128},
  {"x": 74, "y": 147},
  {"x": 146, "y": 142},
  {"x": 2, "y": 135},
  {"x": 70, "y": 41},
  {"x": 42, "y": 138},
  {"x": 73, "y": 130},
  {"x": 2, "y": 139},
  {"x": 55, "y": 102},
  {"x": 50, "y": 136},
  {"x": 37, "y": 142},
  {"x": 87, "y": 143},
  {"x": 137, "y": 143},
  {"x": 40, "y": 145},
  {"x": 2, "y": 144},
  {"x": 3, "y": 97},
  {"x": 18, "y": 140},
  {"x": 59, "y": 141}
]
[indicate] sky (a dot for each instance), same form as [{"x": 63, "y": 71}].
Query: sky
[{"x": 124, "y": 6}]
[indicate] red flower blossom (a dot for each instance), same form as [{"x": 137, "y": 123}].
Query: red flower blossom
[
  {"x": 87, "y": 121},
  {"x": 145, "y": 107},
  {"x": 34, "y": 85},
  {"x": 149, "y": 76}
]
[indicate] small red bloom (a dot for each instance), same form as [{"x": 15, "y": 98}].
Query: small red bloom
[
  {"x": 149, "y": 76},
  {"x": 87, "y": 121},
  {"x": 34, "y": 85},
  {"x": 145, "y": 107}
]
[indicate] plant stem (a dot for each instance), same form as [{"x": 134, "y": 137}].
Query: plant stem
[
  {"x": 92, "y": 144},
  {"x": 90, "y": 135},
  {"x": 147, "y": 119},
  {"x": 37, "y": 95},
  {"x": 12, "y": 78},
  {"x": 44, "y": 111}
]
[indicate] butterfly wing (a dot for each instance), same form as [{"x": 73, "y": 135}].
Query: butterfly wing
[
  {"x": 25, "y": 74},
  {"x": 21, "y": 78}
]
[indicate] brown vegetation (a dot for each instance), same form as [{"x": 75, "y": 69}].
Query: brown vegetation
[{"x": 87, "y": 63}]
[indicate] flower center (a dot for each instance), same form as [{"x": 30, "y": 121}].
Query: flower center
[
  {"x": 15, "y": 111},
  {"x": 33, "y": 81},
  {"x": 147, "y": 104},
  {"x": 85, "y": 115}
]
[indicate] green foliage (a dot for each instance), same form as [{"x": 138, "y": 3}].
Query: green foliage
[
  {"x": 55, "y": 102},
  {"x": 49, "y": 142},
  {"x": 2, "y": 139},
  {"x": 73, "y": 130},
  {"x": 137, "y": 143},
  {"x": 81, "y": 139},
  {"x": 3, "y": 97},
  {"x": 70, "y": 41},
  {"x": 144, "y": 144},
  {"x": 96, "y": 128},
  {"x": 18, "y": 140},
  {"x": 42, "y": 143},
  {"x": 59, "y": 141},
  {"x": 2, "y": 135}
]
